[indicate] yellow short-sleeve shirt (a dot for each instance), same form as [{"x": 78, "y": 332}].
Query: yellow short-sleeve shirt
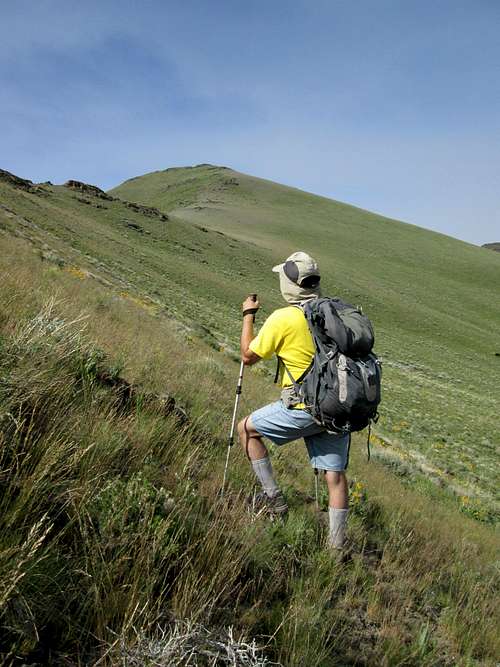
[{"x": 286, "y": 334}]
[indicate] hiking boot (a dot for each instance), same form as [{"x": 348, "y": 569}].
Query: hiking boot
[
  {"x": 261, "y": 503},
  {"x": 341, "y": 554}
]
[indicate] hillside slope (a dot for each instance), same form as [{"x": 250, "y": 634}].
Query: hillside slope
[
  {"x": 184, "y": 271},
  {"x": 433, "y": 299},
  {"x": 114, "y": 539}
]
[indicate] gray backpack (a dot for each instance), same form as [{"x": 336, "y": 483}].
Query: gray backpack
[{"x": 341, "y": 388}]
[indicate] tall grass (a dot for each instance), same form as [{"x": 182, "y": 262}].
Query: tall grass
[{"x": 104, "y": 533}]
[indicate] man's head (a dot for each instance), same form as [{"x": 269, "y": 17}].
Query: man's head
[{"x": 299, "y": 278}]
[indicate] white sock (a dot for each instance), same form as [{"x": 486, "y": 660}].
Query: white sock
[
  {"x": 264, "y": 472},
  {"x": 338, "y": 523}
]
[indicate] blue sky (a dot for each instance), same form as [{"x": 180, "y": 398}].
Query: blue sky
[{"x": 391, "y": 105}]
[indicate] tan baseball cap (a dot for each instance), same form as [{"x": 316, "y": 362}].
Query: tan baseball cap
[{"x": 301, "y": 269}]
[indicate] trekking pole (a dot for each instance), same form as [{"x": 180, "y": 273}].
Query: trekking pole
[
  {"x": 233, "y": 424},
  {"x": 316, "y": 494},
  {"x": 235, "y": 412}
]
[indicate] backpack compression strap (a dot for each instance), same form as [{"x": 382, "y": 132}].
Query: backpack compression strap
[
  {"x": 295, "y": 383},
  {"x": 302, "y": 308}
]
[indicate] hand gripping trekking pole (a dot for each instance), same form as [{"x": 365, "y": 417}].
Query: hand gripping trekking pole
[{"x": 235, "y": 412}]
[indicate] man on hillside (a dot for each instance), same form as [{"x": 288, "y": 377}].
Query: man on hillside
[{"x": 286, "y": 334}]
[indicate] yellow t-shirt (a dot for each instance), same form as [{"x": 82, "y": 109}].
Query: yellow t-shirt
[{"x": 286, "y": 333}]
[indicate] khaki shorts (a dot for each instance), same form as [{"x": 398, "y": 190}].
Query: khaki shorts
[{"x": 327, "y": 451}]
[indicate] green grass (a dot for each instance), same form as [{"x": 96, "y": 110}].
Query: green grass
[{"x": 431, "y": 298}]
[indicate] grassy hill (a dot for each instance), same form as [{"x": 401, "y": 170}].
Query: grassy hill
[
  {"x": 433, "y": 300},
  {"x": 113, "y": 536}
]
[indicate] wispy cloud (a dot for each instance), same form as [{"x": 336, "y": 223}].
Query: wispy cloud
[{"x": 391, "y": 106}]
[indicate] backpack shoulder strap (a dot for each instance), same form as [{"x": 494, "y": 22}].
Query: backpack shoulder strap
[
  {"x": 295, "y": 383},
  {"x": 304, "y": 307},
  {"x": 278, "y": 366}
]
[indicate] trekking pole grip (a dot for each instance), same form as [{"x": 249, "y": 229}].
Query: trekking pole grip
[
  {"x": 254, "y": 298},
  {"x": 251, "y": 311}
]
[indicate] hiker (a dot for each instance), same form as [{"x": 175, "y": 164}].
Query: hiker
[{"x": 286, "y": 333}]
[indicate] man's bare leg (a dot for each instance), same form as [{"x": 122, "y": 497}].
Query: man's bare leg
[
  {"x": 338, "y": 492},
  {"x": 338, "y": 495},
  {"x": 256, "y": 451},
  {"x": 251, "y": 441}
]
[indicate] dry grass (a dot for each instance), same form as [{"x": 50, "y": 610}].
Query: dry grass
[{"x": 188, "y": 644}]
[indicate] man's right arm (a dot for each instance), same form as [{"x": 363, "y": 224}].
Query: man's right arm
[{"x": 247, "y": 356}]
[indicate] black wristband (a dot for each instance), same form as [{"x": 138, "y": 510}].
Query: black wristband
[{"x": 250, "y": 311}]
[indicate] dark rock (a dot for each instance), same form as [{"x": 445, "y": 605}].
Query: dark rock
[
  {"x": 82, "y": 200},
  {"x": 17, "y": 182},
  {"x": 150, "y": 211},
  {"x": 48, "y": 255},
  {"x": 124, "y": 390},
  {"x": 87, "y": 189},
  {"x": 129, "y": 396},
  {"x": 492, "y": 246},
  {"x": 133, "y": 225}
]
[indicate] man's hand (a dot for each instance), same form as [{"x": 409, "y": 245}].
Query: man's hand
[{"x": 250, "y": 304}]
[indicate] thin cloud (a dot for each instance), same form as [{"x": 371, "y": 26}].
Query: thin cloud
[{"x": 391, "y": 108}]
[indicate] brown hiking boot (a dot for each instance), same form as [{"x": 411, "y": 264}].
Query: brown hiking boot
[
  {"x": 275, "y": 507},
  {"x": 341, "y": 554}
]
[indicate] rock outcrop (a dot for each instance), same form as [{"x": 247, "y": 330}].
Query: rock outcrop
[
  {"x": 492, "y": 246},
  {"x": 129, "y": 395},
  {"x": 21, "y": 183},
  {"x": 88, "y": 189},
  {"x": 94, "y": 191},
  {"x": 150, "y": 211}
]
